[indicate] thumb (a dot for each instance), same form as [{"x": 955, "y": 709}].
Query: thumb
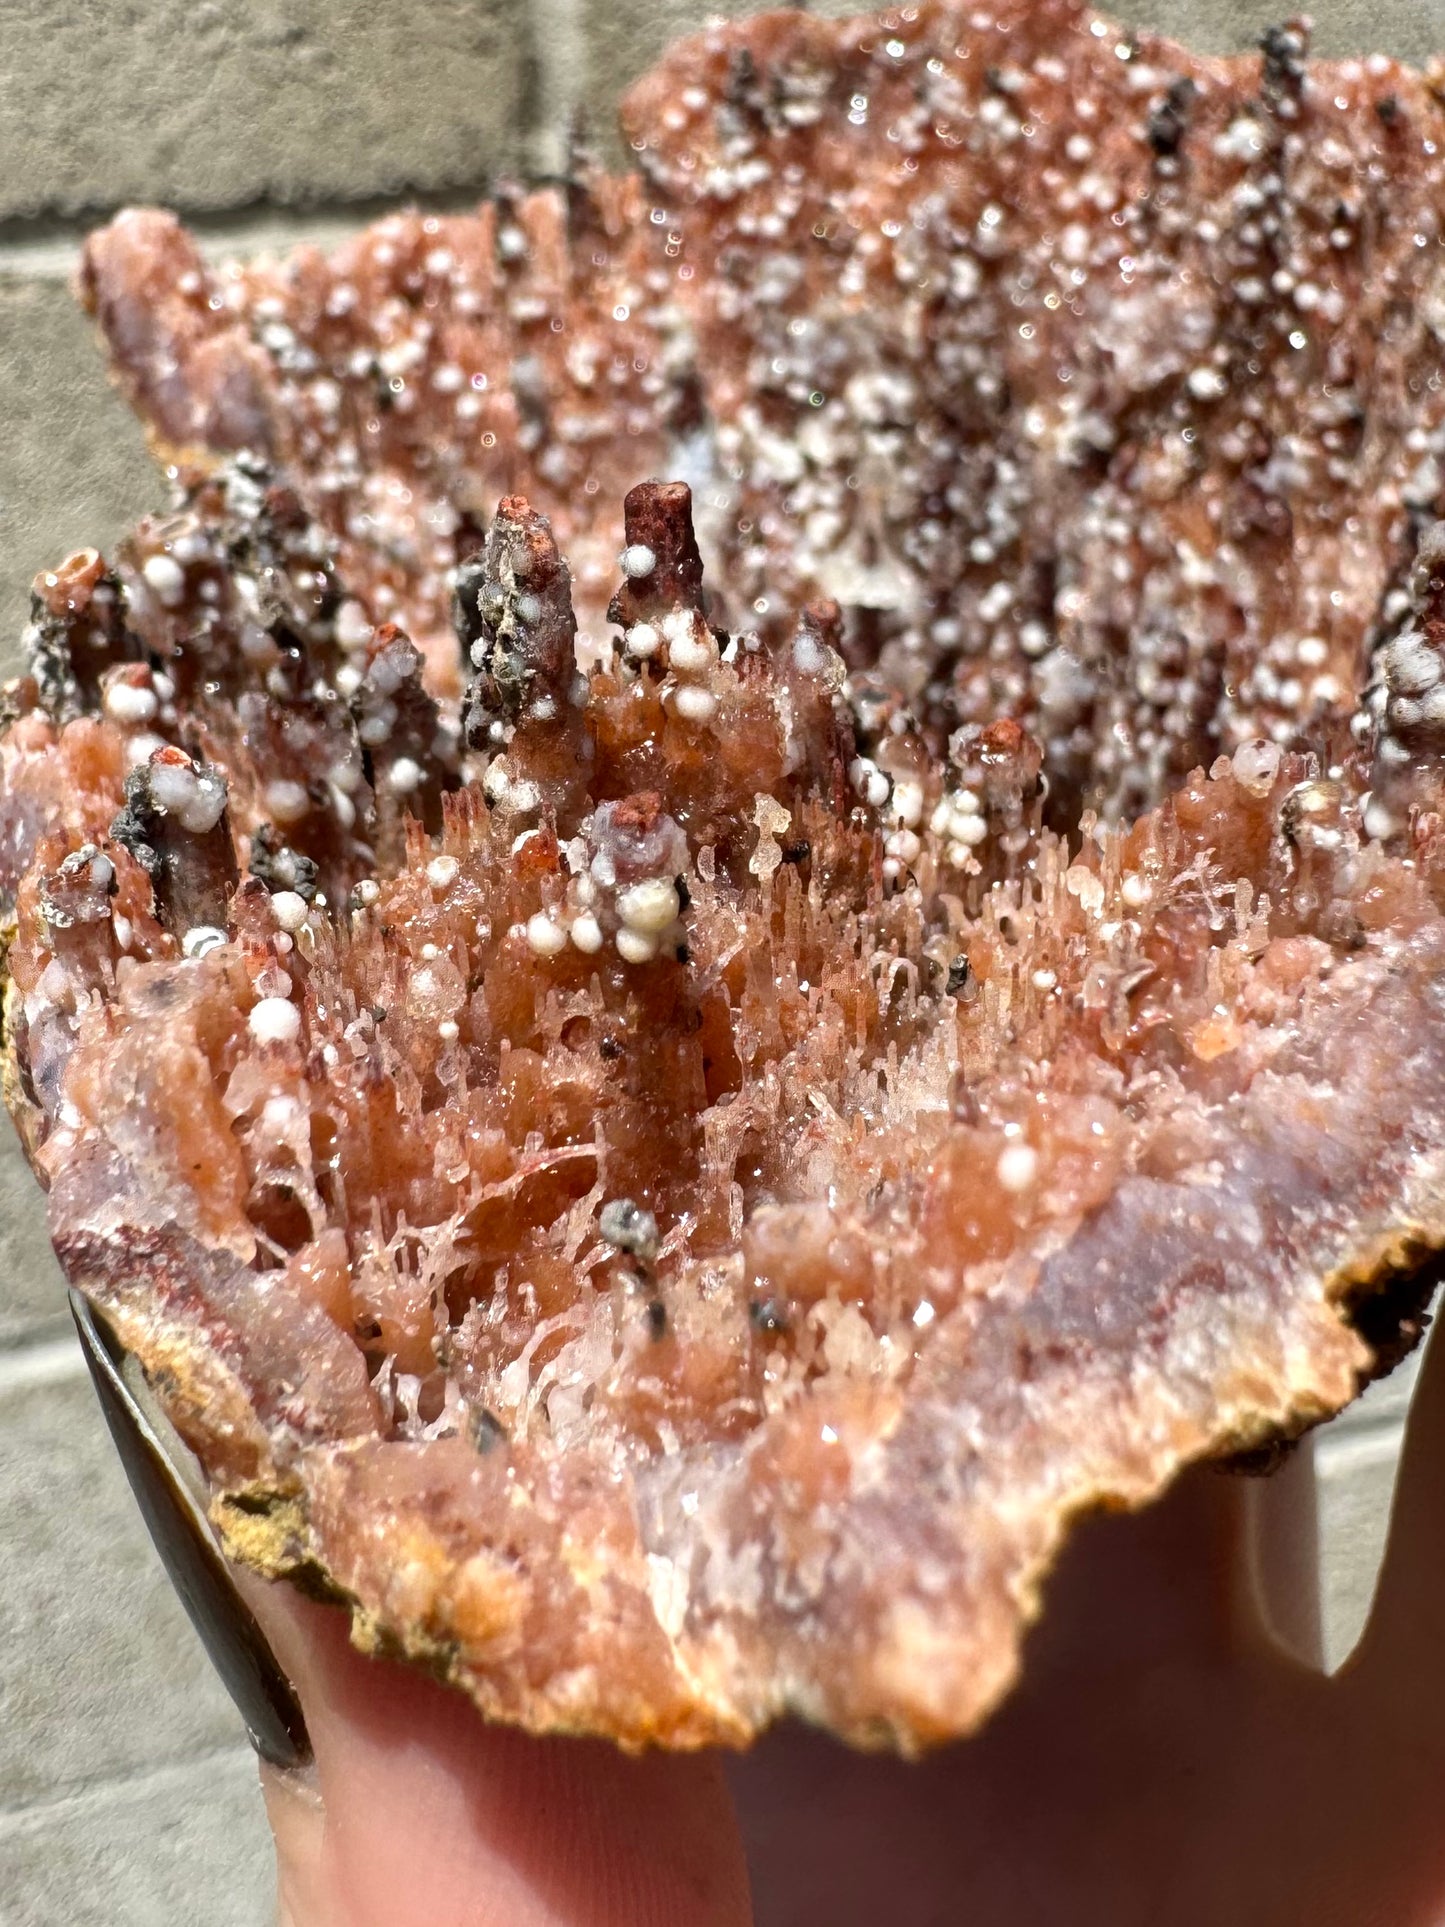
[{"x": 417, "y": 1811}]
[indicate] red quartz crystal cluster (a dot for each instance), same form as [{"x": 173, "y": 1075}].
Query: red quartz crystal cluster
[{"x": 663, "y": 1134}]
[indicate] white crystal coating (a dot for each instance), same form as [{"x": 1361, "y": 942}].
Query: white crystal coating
[{"x": 274, "y": 1020}]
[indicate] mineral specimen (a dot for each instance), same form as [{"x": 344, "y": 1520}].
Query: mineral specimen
[{"x": 663, "y": 1132}]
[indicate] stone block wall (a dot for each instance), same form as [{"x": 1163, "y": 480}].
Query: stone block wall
[{"x": 126, "y": 1793}]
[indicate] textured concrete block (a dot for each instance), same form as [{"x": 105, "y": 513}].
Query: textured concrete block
[
  {"x": 216, "y": 103},
  {"x": 1357, "y": 1460},
  {"x": 1409, "y": 29},
  {"x": 1355, "y": 1476},
  {"x": 1316, "y": 1532},
  {"x": 32, "y": 1291},
  {"x": 73, "y": 463},
  {"x": 100, "y": 1673},
  {"x": 594, "y": 49},
  {"x": 185, "y": 1844}
]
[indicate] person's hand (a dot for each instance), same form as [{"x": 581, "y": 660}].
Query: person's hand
[
  {"x": 1158, "y": 1764},
  {"x": 417, "y": 1813},
  {"x": 1154, "y": 1767}
]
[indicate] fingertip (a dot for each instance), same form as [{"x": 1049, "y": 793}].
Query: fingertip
[
  {"x": 419, "y": 1810},
  {"x": 298, "y": 1820}
]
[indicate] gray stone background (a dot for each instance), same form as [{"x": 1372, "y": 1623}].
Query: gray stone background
[{"x": 127, "y": 1798}]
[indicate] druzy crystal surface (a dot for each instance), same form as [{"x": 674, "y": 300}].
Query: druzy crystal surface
[{"x": 747, "y": 903}]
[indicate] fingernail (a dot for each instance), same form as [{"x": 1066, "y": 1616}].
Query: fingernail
[{"x": 175, "y": 1516}]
